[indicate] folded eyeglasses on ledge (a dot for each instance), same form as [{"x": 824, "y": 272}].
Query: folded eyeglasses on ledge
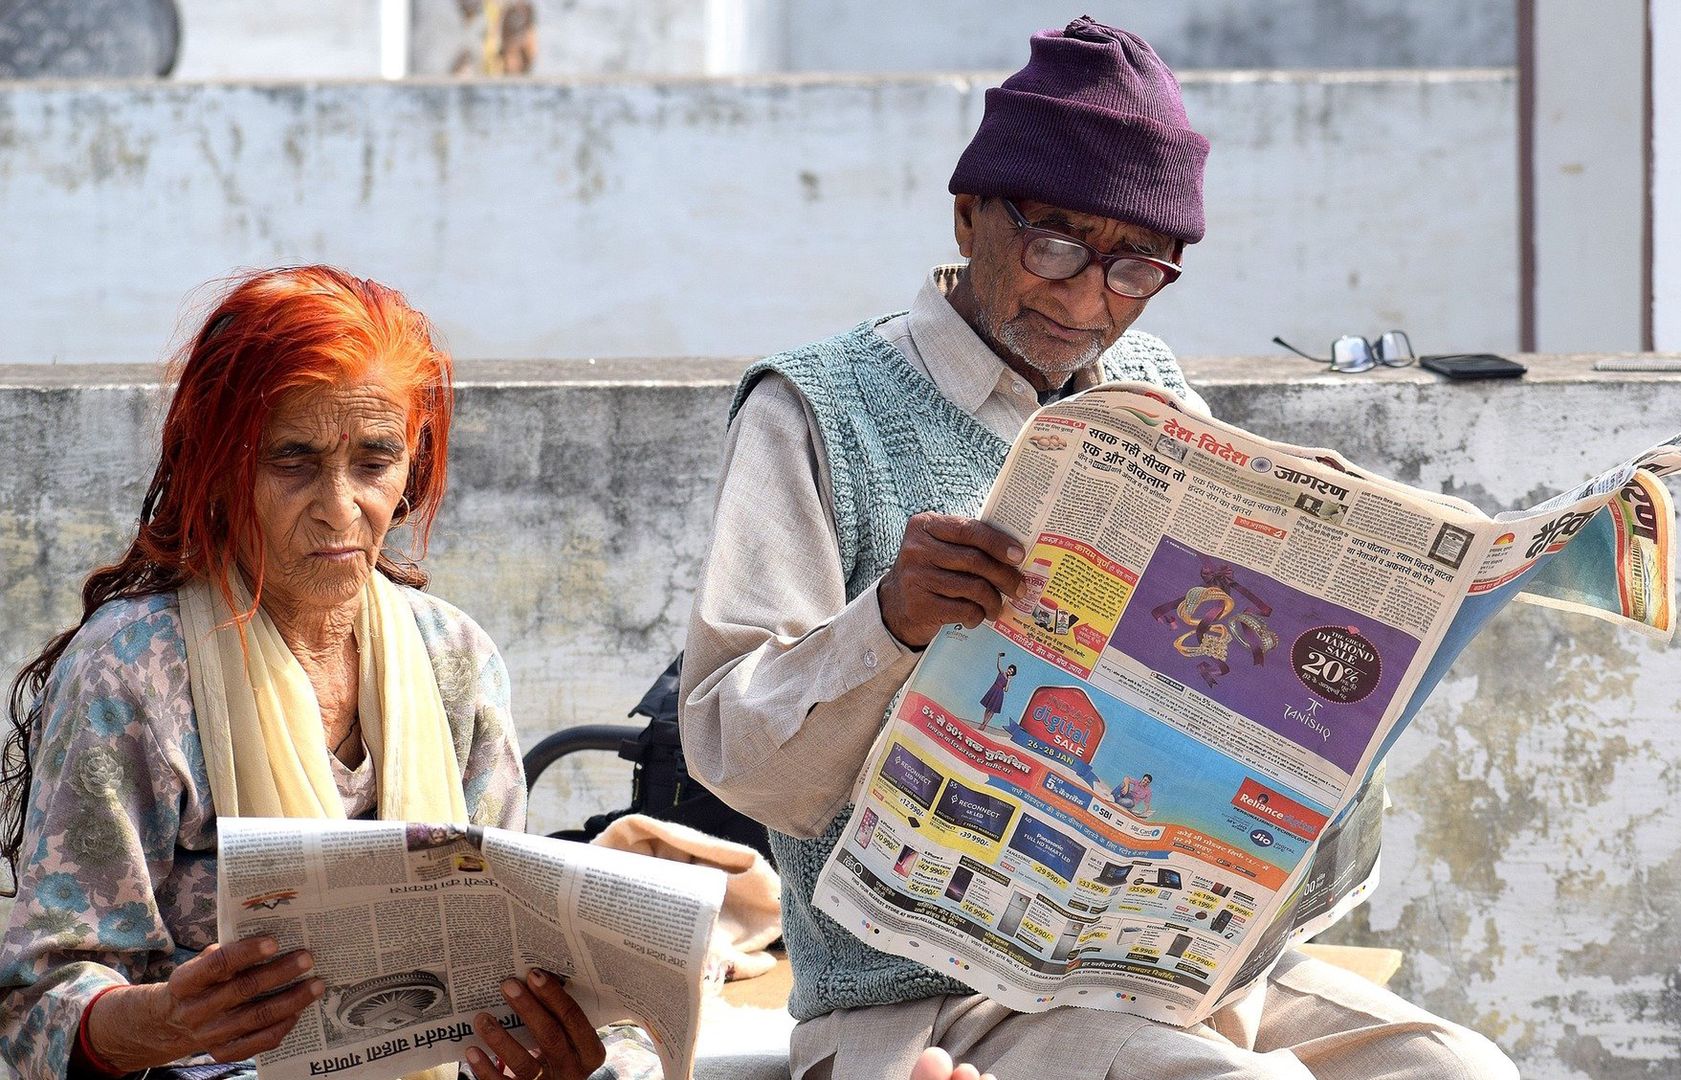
[{"x": 1351, "y": 354}]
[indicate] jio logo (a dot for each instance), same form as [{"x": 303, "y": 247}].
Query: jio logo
[{"x": 1261, "y": 838}]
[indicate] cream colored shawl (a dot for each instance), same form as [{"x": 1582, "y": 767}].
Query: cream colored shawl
[{"x": 260, "y": 724}]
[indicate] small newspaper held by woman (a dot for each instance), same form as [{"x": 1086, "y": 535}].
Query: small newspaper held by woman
[
  {"x": 1161, "y": 764},
  {"x": 414, "y": 926}
]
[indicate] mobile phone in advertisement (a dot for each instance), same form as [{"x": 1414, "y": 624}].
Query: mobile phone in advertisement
[{"x": 959, "y": 883}]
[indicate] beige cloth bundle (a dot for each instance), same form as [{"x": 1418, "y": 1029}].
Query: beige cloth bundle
[{"x": 751, "y": 918}]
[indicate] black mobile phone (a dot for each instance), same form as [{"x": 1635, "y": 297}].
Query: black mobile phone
[{"x": 1473, "y": 366}]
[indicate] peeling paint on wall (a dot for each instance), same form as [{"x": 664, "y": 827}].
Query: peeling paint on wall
[{"x": 615, "y": 218}]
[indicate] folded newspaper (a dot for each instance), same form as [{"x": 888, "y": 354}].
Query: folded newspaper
[
  {"x": 414, "y": 926},
  {"x": 1162, "y": 763}
]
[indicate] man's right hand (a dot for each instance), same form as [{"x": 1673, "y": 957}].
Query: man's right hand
[{"x": 949, "y": 570}]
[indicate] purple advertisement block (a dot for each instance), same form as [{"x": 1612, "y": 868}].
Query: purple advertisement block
[
  {"x": 1307, "y": 669},
  {"x": 911, "y": 775}
]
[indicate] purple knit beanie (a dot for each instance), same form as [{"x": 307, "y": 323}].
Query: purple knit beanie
[{"x": 1093, "y": 123}]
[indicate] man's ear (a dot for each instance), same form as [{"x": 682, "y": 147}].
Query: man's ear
[{"x": 964, "y": 208}]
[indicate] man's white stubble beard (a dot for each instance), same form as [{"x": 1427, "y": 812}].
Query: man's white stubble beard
[{"x": 1017, "y": 342}]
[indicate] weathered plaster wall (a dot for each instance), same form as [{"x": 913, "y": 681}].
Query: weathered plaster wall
[
  {"x": 1533, "y": 871},
  {"x": 721, "y": 217},
  {"x": 238, "y": 38},
  {"x": 300, "y": 39},
  {"x": 948, "y": 35}
]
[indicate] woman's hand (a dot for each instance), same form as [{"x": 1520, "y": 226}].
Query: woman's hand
[
  {"x": 209, "y": 1006},
  {"x": 567, "y": 1046}
]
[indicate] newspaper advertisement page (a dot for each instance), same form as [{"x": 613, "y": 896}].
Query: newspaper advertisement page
[
  {"x": 414, "y": 927},
  {"x": 1163, "y": 748}
]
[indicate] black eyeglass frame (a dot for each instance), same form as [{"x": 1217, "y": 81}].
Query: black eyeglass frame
[
  {"x": 1170, "y": 271},
  {"x": 1352, "y": 354}
]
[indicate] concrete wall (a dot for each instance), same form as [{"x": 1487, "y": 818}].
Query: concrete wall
[
  {"x": 721, "y": 217},
  {"x": 950, "y": 35},
  {"x": 1533, "y": 868}
]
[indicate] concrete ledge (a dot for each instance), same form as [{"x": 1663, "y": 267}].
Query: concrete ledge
[{"x": 1533, "y": 865}]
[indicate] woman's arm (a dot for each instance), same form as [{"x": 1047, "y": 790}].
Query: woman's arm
[{"x": 103, "y": 817}]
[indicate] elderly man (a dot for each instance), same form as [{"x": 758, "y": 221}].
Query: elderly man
[{"x": 844, "y": 540}]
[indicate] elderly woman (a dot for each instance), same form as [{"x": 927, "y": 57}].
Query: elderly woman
[{"x": 256, "y": 652}]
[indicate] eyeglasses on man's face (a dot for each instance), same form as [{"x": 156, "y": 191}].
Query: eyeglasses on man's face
[{"x": 1057, "y": 256}]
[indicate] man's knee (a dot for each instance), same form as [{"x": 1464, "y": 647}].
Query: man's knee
[{"x": 1453, "y": 1052}]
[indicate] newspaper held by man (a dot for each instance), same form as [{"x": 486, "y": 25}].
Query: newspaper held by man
[
  {"x": 414, "y": 927},
  {"x": 1159, "y": 764}
]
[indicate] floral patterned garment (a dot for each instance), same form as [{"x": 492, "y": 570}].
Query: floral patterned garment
[{"x": 118, "y": 882}]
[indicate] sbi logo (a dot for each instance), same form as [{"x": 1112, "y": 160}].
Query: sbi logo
[{"x": 1261, "y": 838}]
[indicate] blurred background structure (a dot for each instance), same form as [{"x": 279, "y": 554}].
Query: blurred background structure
[
  {"x": 597, "y": 199},
  {"x": 626, "y": 177}
]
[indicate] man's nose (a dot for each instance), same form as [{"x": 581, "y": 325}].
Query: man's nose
[{"x": 1085, "y": 297}]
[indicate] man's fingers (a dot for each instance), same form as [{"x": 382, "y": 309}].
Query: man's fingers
[
  {"x": 217, "y": 964},
  {"x": 579, "y": 1031},
  {"x": 938, "y": 611},
  {"x": 968, "y": 532},
  {"x": 937, "y": 554},
  {"x": 951, "y": 585},
  {"x": 965, "y": 1072},
  {"x": 934, "y": 1064}
]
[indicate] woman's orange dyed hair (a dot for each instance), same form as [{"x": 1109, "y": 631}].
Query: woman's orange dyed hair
[{"x": 272, "y": 333}]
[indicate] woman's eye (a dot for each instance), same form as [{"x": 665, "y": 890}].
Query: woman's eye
[{"x": 375, "y": 468}]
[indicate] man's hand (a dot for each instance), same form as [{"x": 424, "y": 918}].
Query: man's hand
[
  {"x": 936, "y": 1064},
  {"x": 949, "y": 570}
]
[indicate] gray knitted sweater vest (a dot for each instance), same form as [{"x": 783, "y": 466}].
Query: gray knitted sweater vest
[{"x": 896, "y": 447}]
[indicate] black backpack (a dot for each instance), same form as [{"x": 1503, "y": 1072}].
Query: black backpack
[{"x": 661, "y": 786}]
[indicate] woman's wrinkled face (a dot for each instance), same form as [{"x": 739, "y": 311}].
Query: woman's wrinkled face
[{"x": 330, "y": 474}]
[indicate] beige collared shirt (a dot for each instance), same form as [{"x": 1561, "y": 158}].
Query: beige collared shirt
[{"x": 784, "y": 682}]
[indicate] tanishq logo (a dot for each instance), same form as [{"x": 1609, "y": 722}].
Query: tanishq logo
[{"x": 1309, "y": 719}]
